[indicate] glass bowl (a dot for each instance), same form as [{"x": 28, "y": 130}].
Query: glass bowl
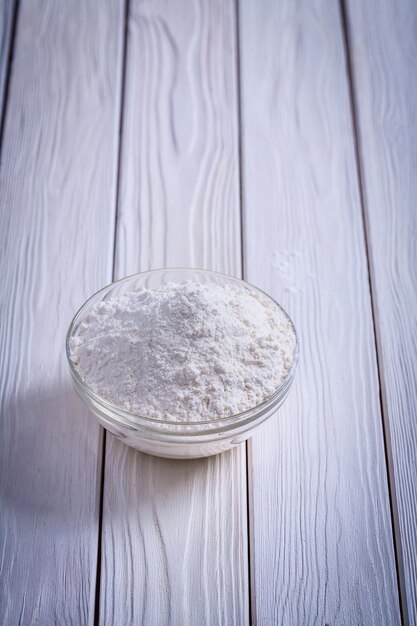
[{"x": 179, "y": 440}]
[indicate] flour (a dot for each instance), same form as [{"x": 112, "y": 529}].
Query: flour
[{"x": 185, "y": 351}]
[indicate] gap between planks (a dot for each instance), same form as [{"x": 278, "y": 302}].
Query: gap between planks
[
  {"x": 396, "y": 537},
  {"x": 7, "y": 72},
  {"x": 248, "y": 443},
  {"x": 102, "y": 456}
]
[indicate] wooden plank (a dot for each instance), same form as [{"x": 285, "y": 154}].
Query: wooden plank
[
  {"x": 383, "y": 46},
  {"x": 57, "y": 193},
  {"x": 174, "y": 532},
  {"x": 322, "y": 548},
  {"x": 7, "y": 8}
]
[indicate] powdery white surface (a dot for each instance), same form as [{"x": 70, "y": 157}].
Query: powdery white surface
[{"x": 185, "y": 351}]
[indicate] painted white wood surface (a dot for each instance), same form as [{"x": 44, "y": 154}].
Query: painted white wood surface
[
  {"x": 6, "y": 19},
  {"x": 174, "y": 547},
  {"x": 322, "y": 549},
  {"x": 57, "y": 193},
  {"x": 383, "y": 44}
]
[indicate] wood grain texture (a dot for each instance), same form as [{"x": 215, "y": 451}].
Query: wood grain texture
[
  {"x": 57, "y": 194},
  {"x": 383, "y": 45},
  {"x": 179, "y": 186},
  {"x": 7, "y": 8},
  {"x": 174, "y": 533},
  {"x": 322, "y": 547}
]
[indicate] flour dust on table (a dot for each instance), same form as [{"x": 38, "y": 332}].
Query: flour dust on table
[{"x": 185, "y": 351}]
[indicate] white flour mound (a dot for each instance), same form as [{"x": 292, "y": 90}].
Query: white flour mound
[{"x": 185, "y": 351}]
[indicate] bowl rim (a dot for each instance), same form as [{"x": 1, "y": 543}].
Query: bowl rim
[{"x": 134, "y": 419}]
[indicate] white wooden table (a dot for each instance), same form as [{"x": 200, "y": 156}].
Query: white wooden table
[{"x": 271, "y": 140}]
